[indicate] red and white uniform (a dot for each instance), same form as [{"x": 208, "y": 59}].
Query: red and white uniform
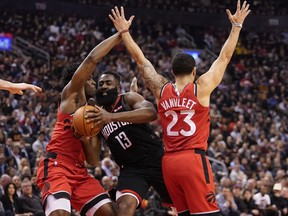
[
  {"x": 186, "y": 169},
  {"x": 62, "y": 172}
]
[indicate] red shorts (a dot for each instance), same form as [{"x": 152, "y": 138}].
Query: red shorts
[
  {"x": 189, "y": 180},
  {"x": 64, "y": 177}
]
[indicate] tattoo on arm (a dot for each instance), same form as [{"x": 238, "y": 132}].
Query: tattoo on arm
[{"x": 153, "y": 80}]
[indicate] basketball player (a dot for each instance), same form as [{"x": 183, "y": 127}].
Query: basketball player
[
  {"x": 17, "y": 88},
  {"x": 132, "y": 142},
  {"x": 62, "y": 175},
  {"x": 183, "y": 108}
]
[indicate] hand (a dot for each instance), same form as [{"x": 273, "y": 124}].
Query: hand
[
  {"x": 240, "y": 14},
  {"x": 119, "y": 19},
  {"x": 100, "y": 116},
  {"x": 84, "y": 139},
  {"x": 133, "y": 85},
  {"x": 16, "y": 88}
]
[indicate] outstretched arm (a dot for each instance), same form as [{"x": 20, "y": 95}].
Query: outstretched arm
[
  {"x": 85, "y": 70},
  {"x": 212, "y": 78},
  {"x": 153, "y": 80},
  {"x": 17, "y": 88}
]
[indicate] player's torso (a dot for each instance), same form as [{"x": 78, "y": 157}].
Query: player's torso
[
  {"x": 131, "y": 144},
  {"x": 185, "y": 122},
  {"x": 63, "y": 141}
]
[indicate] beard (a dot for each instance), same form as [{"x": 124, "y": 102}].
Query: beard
[{"x": 108, "y": 99}]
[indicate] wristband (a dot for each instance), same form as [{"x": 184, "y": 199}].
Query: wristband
[
  {"x": 124, "y": 31},
  {"x": 237, "y": 25}
]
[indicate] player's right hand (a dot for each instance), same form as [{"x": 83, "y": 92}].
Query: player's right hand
[{"x": 119, "y": 20}]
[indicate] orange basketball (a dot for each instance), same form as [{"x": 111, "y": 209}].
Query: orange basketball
[{"x": 80, "y": 124}]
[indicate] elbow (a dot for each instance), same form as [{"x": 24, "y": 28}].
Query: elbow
[
  {"x": 93, "y": 163},
  {"x": 93, "y": 58}
]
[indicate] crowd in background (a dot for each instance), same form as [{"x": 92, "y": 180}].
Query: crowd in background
[
  {"x": 260, "y": 7},
  {"x": 249, "y": 110}
]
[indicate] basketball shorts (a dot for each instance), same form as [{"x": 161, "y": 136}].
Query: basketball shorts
[
  {"x": 64, "y": 177},
  {"x": 138, "y": 181},
  {"x": 188, "y": 177}
]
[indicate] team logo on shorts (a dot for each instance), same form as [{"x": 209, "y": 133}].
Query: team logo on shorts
[
  {"x": 210, "y": 197},
  {"x": 46, "y": 186}
]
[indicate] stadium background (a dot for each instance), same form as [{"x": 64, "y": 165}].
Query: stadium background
[{"x": 248, "y": 145}]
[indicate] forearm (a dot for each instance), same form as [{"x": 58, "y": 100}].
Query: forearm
[
  {"x": 5, "y": 85},
  {"x": 137, "y": 116},
  {"x": 133, "y": 49},
  {"x": 92, "y": 149},
  {"x": 229, "y": 46},
  {"x": 103, "y": 48}
]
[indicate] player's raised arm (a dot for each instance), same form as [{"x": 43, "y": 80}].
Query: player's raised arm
[
  {"x": 85, "y": 70},
  {"x": 210, "y": 80},
  {"x": 17, "y": 88},
  {"x": 153, "y": 80}
]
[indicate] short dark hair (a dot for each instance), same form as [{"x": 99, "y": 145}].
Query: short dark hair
[
  {"x": 182, "y": 64},
  {"x": 68, "y": 72},
  {"x": 114, "y": 74}
]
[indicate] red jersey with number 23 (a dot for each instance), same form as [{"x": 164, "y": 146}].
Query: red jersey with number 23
[{"x": 185, "y": 122}]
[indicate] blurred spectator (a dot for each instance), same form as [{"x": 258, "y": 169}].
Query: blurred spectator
[
  {"x": 4, "y": 181},
  {"x": 98, "y": 173},
  {"x": 107, "y": 166},
  {"x": 2, "y": 164},
  {"x": 227, "y": 203},
  {"x": 277, "y": 201},
  {"x": 250, "y": 207},
  {"x": 107, "y": 183},
  {"x": 262, "y": 199},
  {"x": 10, "y": 200},
  {"x": 236, "y": 191},
  {"x": 217, "y": 168},
  {"x": 40, "y": 144},
  {"x": 17, "y": 182},
  {"x": 29, "y": 202}
]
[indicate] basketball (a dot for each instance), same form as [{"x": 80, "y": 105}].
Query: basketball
[{"x": 81, "y": 126}]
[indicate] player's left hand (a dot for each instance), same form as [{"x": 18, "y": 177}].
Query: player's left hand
[
  {"x": 119, "y": 20},
  {"x": 240, "y": 14},
  {"x": 85, "y": 140}
]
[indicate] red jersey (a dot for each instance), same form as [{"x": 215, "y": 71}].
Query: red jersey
[
  {"x": 63, "y": 141},
  {"x": 185, "y": 122}
]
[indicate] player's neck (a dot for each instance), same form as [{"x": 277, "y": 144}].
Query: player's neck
[{"x": 181, "y": 82}]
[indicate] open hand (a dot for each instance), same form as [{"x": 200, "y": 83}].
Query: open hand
[
  {"x": 240, "y": 14},
  {"x": 17, "y": 88},
  {"x": 119, "y": 19}
]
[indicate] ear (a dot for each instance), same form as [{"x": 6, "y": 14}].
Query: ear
[
  {"x": 172, "y": 73},
  {"x": 194, "y": 72}
]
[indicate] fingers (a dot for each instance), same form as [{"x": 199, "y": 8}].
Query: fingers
[
  {"x": 238, "y": 5},
  {"x": 20, "y": 92},
  {"x": 122, "y": 11},
  {"x": 111, "y": 18},
  {"x": 131, "y": 18},
  {"x": 244, "y": 5},
  {"x": 113, "y": 13},
  {"x": 229, "y": 14},
  {"x": 117, "y": 11},
  {"x": 36, "y": 89}
]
